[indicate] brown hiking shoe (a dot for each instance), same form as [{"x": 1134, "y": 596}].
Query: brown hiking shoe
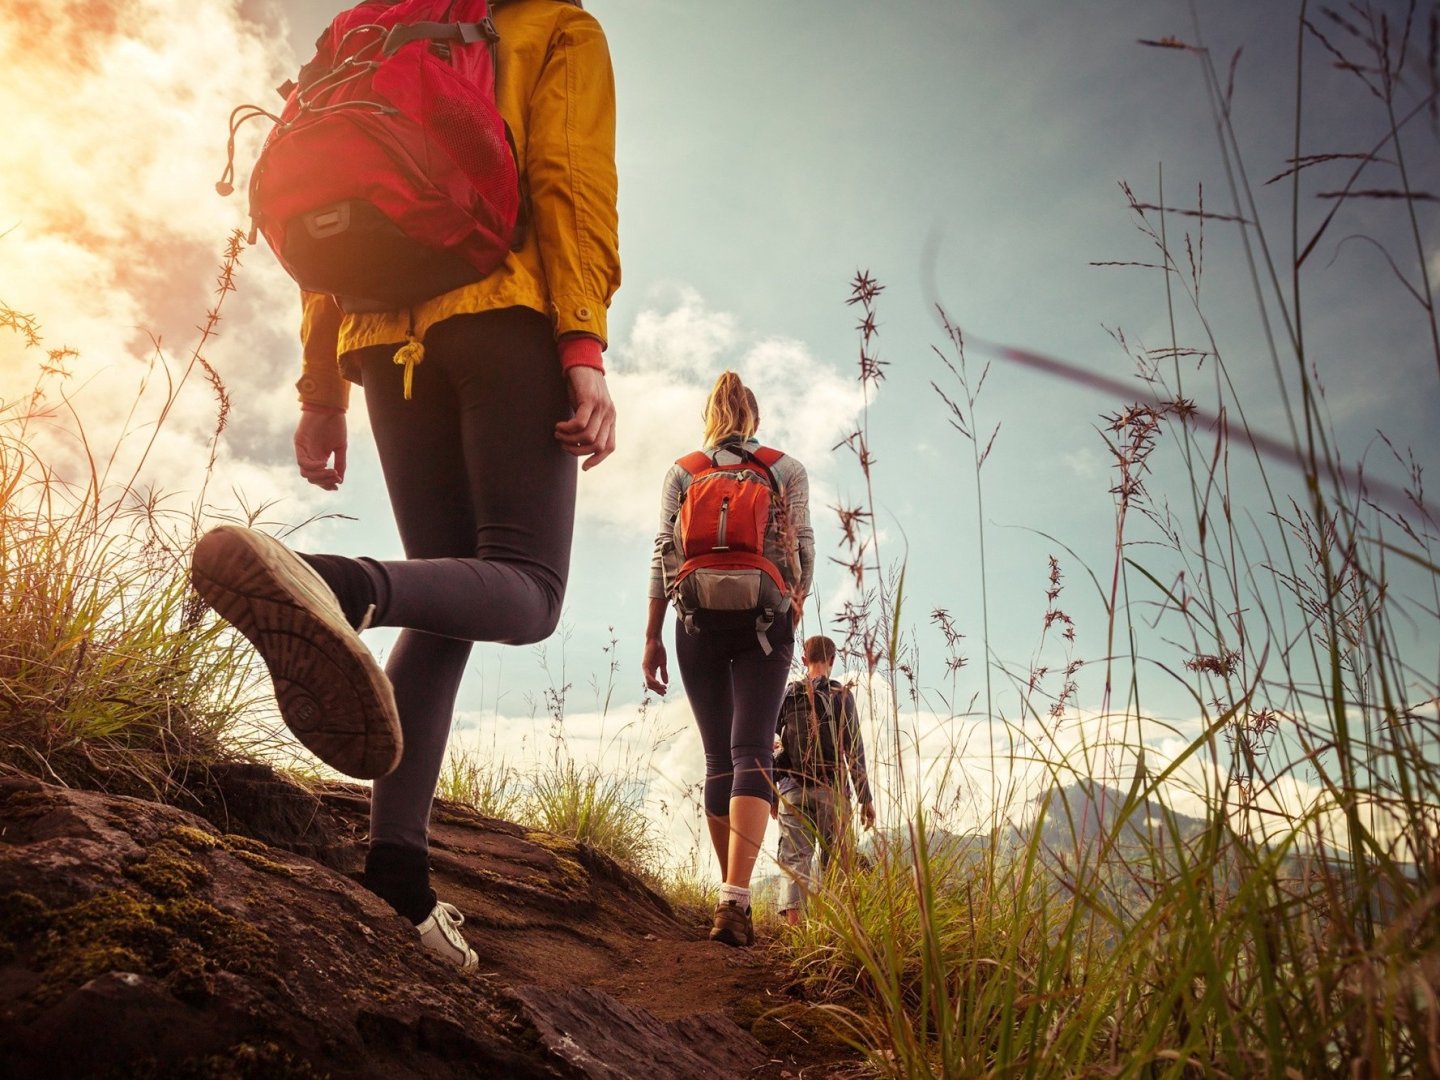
[
  {"x": 733, "y": 925},
  {"x": 332, "y": 693}
]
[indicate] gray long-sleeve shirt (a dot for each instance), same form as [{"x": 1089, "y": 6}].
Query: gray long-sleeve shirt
[{"x": 791, "y": 546}]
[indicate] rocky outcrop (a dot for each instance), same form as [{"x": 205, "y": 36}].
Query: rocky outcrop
[{"x": 138, "y": 939}]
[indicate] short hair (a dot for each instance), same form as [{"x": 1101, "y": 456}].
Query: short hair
[{"x": 819, "y": 650}]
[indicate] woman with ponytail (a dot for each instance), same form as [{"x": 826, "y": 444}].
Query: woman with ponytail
[{"x": 734, "y": 669}]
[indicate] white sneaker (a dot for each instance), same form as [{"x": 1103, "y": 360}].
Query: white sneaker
[
  {"x": 332, "y": 693},
  {"x": 440, "y": 933}
]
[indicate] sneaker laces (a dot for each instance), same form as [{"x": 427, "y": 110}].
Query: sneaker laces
[
  {"x": 449, "y": 920},
  {"x": 451, "y": 912}
]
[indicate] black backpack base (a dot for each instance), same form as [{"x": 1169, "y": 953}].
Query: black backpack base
[{"x": 351, "y": 250}]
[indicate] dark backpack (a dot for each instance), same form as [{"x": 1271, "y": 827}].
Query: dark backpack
[
  {"x": 809, "y": 729},
  {"x": 719, "y": 534},
  {"x": 389, "y": 176}
]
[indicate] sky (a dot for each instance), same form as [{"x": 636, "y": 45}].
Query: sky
[{"x": 969, "y": 156}]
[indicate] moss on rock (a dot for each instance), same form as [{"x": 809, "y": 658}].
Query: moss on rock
[
  {"x": 195, "y": 839},
  {"x": 168, "y": 870},
  {"x": 22, "y": 916},
  {"x": 183, "y": 942}
]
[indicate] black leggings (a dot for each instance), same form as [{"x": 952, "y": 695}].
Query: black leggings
[
  {"x": 484, "y": 499},
  {"x": 735, "y": 692}
]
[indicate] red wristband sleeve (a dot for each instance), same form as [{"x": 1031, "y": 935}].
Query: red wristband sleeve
[{"x": 581, "y": 350}]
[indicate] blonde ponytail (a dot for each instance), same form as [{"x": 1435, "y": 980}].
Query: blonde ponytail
[{"x": 731, "y": 412}]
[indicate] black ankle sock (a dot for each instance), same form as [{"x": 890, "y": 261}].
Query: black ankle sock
[
  {"x": 351, "y": 583},
  {"x": 401, "y": 877}
]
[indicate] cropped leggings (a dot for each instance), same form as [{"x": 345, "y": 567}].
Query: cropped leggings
[
  {"x": 735, "y": 691},
  {"x": 484, "y": 500}
]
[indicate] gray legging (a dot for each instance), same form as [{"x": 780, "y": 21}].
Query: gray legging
[{"x": 484, "y": 499}]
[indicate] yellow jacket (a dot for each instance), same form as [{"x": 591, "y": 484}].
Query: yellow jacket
[{"x": 556, "y": 90}]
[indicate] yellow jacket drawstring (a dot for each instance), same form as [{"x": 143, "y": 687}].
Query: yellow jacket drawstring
[{"x": 408, "y": 355}]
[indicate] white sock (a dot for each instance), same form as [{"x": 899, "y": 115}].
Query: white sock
[{"x": 736, "y": 893}]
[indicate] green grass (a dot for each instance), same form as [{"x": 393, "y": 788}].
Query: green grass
[
  {"x": 586, "y": 803},
  {"x": 485, "y": 784},
  {"x": 580, "y": 801}
]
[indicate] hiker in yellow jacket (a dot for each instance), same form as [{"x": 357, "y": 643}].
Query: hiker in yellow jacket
[{"x": 481, "y": 401}]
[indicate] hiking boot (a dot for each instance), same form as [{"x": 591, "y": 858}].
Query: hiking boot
[
  {"x": 733, "y": 925},
  {"x": 332, "y": 694},
  {"x": 440, "y": 933}
]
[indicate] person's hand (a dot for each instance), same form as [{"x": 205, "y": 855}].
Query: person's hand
[
  {"x": 319, "y": 436},
  {"x": 867, "y": 815},
  {"x": 591, "y": 431},
  {"x": 775, "y": 811},
  {"x": 657, "y": 674}
]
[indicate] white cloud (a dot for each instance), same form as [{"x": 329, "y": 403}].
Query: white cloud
[
  {"x": 806, "y": 405},
  {"x": 1084, "y": 463},
  {"x": 115, "y": 232},
  {"x": 660, "y": 378},
  {"x": 683, "y": 338}
]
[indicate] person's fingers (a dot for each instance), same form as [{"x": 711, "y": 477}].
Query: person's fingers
[
  {"x": 594, "y": 439},
  {"x": 657, "y": 672},
  {"x": 587, "y": 423},
  {"x": 590, "y": 432},
  {"x": 603, "y": 448},
  {"x": 316, "y": 468},
  {"x": 322, "y": 479},
  {"x": 575, "y": 426},
  {"x": 319, "y": 437}
]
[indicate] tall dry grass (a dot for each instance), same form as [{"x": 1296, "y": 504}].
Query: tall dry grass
[
  {"x": 1085, "y": 927},
  {"x": 112, "y": 674}
]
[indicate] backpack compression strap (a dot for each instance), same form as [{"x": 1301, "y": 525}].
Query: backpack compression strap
[{"x": 465, "y": 33}]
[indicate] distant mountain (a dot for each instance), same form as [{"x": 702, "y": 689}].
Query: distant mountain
[{"x": 1082, "y": 811}]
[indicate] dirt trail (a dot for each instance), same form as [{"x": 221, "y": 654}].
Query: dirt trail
[{"x": 543, "y": 911}]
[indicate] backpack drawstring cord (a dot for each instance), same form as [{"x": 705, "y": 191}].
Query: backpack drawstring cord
[{"x": 226, "y": 185}]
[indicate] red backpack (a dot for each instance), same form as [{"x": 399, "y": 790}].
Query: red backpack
[
  {"x": 389, "y": 176},
  {"x": 724, "y": 578}
]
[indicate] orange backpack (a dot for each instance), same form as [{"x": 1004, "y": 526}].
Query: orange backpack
[{"x": 725, "y": 579}]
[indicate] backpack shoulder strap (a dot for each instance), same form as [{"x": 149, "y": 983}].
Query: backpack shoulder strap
[
  {"x": 793, "y": 691},
  {"x": 696, "y": 462},
  {"x": 764, "y": 457}
]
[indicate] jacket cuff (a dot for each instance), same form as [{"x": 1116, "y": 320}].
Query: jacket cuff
[
  {"x": 320, "y": 381},
  {"x": 330, "y": 395},
  {"x": 581, "y": 350},
  {"x": 576, "y": 313}
]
